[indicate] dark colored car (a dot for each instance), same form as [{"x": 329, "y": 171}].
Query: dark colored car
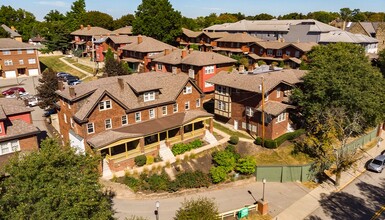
[
  {"x": 49, "y": 112},
  {"x": 63, "y": 76},
  {"x": 74, "y": 83},
  {"x": 12, "y": 90},
  {"x": 72, "y": 79}
]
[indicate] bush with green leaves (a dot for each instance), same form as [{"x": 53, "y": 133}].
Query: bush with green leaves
[
  {"x": 158, "y": 182},
  {"x": 197, "y": 209},
  {"x": 272, "y": 144},
  {"x": 195, "y": 179},
  {"x": 234, "y": 139},
  {"x": 149, "y": 160},
  {"x": 140, "y": 160},
  {"x": 131, "y": 182},
  {"x": 246, "y": 165},
  {"x": 181, "y": 148},
  {"x": 225, "y": 159},
  {"x": 218, "y": 174}
]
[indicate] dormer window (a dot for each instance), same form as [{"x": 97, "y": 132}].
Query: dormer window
[
  {"x": 104, "y": 105},
  {"x": 149, "y": 96},
  {"x": 187, "y": 90}
]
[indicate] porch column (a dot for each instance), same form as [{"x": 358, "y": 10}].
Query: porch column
[
  {"x": 211, "y": 125},
  {"x": 125, "y": 146},
  {"x": 181, "y": 132},
  {"x": 141, "y": 144},
  {"x": 193, "y": 129}
]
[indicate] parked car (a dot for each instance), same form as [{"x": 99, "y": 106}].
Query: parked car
[
  {"x": 33, "y": 101},
  {"x": 377, "y": 164},
  {"x": 12, "y": 90},
  {"x": 72, "y": 79},
  {"x": 63, "y": 76},
  {"x": 49, "y": 112},
  {"x": 75, "y": 82}
]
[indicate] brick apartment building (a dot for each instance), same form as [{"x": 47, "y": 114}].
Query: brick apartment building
[{"x": 18, "y": 59}]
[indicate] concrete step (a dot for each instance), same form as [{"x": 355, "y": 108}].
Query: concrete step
[{"x": 209, "y": 137}]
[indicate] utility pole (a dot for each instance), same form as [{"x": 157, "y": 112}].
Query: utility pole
[{"x": 263, "y": 112}]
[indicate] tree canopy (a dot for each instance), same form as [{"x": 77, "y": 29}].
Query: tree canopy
[
  {"x": 113, "y": 67},
  {"x": 46, "y": 89},
  {"x": 99, "y": 19},
  {"x": 340, "y": 75},
  {"x": 198, "y": 209},
  {"x": 125, "y": 20},
  {"x": 158, "y": 19},
  {"x": 53, "y": 183}
]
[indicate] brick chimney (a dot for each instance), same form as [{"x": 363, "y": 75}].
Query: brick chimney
[
  {"x": 88, "y": 27},
  {"x": 121, "y": 83},
  {"x": 166, "y": 51},
  {"x": 81, "y": 27},
  {"x": 184, "y": 53},
  {"x": 60, "y": 85},
  {"x": 72, "y": 91},
  {"x": 140, "y": 39}
]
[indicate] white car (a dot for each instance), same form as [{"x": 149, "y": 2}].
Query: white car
[{"x": 33, "y": 101}]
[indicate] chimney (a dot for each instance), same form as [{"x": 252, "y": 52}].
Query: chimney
[
  {"x": 60, "y": 85},
  {"x": 241, "y": 68},
  {"x": 140, "y": 39},
  {"x": 88, "y": 27},
  {"x": 184, "y": 53},
  {"x": 166, "y": 51},
  {"x": 72, "y": 91},
  {"x": 81, "y": 27},
  {"x": 121, "y": 83}
]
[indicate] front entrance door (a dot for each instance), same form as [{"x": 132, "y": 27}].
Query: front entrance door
[{"x": 235, "y": 124}]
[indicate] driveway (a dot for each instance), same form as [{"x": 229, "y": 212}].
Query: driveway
[{"x": 228, "y": 197}]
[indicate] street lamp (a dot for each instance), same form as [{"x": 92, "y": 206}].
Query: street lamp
[
  {"x": 263, "y": 192},
  {"x": 157, "y": 204}
]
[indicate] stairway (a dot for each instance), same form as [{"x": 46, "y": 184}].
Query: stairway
[
  {"x": 106, "y": 169},
  {"x": 209, "y": 137},
  {"x": 165, "y": 153}
]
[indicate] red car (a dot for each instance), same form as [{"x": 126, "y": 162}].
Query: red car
[{"x": 12, "y": 90}]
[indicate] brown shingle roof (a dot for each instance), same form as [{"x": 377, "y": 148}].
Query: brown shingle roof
[
  {"x": 195, "y": 58},
  {"x": 124, "y": 30},
  {"x": 215, "y": 35},
  {"x": 10, "y": 44},
  {"x": 93, "y": 31},
  {"x": 272, "y": 44},
  {"x": 19, "y": 128},
  {"x": 252, "y": 82},
  {"x": 11, "y": 32},
  {"x": 170, "y": 85},
  {"x": 304, "y": 46},
  {"x": 240, "y": 38},
  {"x": 274, "y": 108},
  {"x": 190, "y": 33},
  {"x": 146, "y": 128},
  {"x": 13, "y": 106},
  {"x": 122, "y": 39},
  {"x": 147, "y": 45}
]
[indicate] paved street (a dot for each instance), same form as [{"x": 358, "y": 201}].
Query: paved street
[{"x": 279, "y": 196}]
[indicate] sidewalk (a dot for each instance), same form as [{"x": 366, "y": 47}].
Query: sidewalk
[
  {"x": 310, "y": 202},
  {"x": 77, "y": 68}
]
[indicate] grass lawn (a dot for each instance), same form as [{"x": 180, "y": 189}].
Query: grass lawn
[
  {"x": 231, "y": 132},
  {"x": 281, "y": 156},
  {"x": 54, "y": 63},
  {"x": 81, "y": 66}
]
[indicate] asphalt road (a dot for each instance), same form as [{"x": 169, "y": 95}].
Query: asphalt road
[
  {"x": 360, "y": 200},
  {"x": 278, "y": 195}
]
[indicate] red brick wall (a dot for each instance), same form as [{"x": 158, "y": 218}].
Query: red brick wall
[
  {"x": 2, "y": 130},
  {"x": 27, "y": 144},
  {"x": 15, "y": 57}
]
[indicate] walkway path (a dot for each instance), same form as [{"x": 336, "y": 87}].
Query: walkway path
[{"x": 77, "y": 68}]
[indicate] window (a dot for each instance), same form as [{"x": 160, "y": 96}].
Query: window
[
  {"x": 65, "y": 118},
  {"x": 266, "y": 97},
  {"x": 30, "y": 51},
  {"x": 164, "y": 110},
  {"x": 138, "y": 116},
  {"x": 19, "y": 51},
  {"x": 198, "y": 103},
  {"x": 160, "y": 66},
  {"x": 90, "y": 128},
  {"x": 72, "y": 123},
  {"x": 6, "y": 52},
  {"x": 207, "y": 84},
  {"x": 186, "y": 105},
  {"x": 279, "y": 53},
  {"x": 8, "y": 63},
  {"x": 296, "y": 54},
  {"x": 281, "y": 117},
  {"x": 187, "y": 90},
  {"x": 1, "y": 129},
  {"x": 288, "y": 53},
  {"x": 222, "y": 90},
  {"x": 152, "y": 113},
  {"x": 269, "y": 52},
  {"x": 32, "y": 61},
  {"x": 222, "y": 105},
  {"x": 124, "y": 120},
  {"x": 149, "y": 96},
  {"x": 21, "y": 62},
  {"x": 261, "y": 51},
  {"x": 278, "y": 92},
  {"x": 9, "y": 147},
  {"x": 108, "y": 123},
  {"x": 104, "y": 105},
  {"x": 209, "y": 69},
  {"x": 249, "y": 111},
  {"x": 175, "y": 107}
]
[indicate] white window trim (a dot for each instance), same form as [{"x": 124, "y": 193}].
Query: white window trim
[
  {"x": 164, "y": 110},
  {"x": 209, "y": 69},
  {"x": 103, "y": 105},
  {"x": 139, "y": 114},
  {"x": 198, "y": 103},
  {"x": 126, "y": 119},
  {"x": 65, "y": 118},
  {"x": 151, "y": 113},
  {"x": 281, "y": 117},
  {"x": 187, "y": 90},
  {"x": 6, "y": 52},
  {"x": 269, "y": 52},
  {"x": 149, "y": 96},
  {"x": 21, "y": 62},
  {"x": 187, "y": 105},
  {"x": 30, "y": 51},
  {"x": 31, "y": 61},
  {"x": 88, "y": 128},
  {"x": 8, "y": 145},
  {"x": 279, "y": 52},
  {"x": 159, "y": 66},
  {"x": 221, "y": 105},
  {"x": 72, "y": 123},
  {"x": 110, "y": 123},
  {"x": 175, "y": 108},
  {"x": 278, "y": 92},
  {"x": 249, "y": 111},
  {"x": 19, "y": 52},
  {"x": 207, "y": 84},
  {"x": 8, "y": 62}
]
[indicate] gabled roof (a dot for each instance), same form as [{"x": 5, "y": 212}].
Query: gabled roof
[
  {"x": 303, "y": 46},
  {"x": 345, "y": 36},
  {"x": 272, "y": 44},
  {"x": 190, "y": 33},
  {"x": 11, "y": 32},
  {"x": 92, "y": 31},
  {"x": 251, "y": 82},
  {"x": 240, "y": 38},
  {"x": 127, "y": 30},
  {"x": 215, "y": 35},
  {"x": 122, "y": 39},
  {"x": 19, "y": 128},
  {"x": 274, "y": 108},
  {"x": 10, "y": 44},
  {"x": 147, "y": 45},
  {"x": 195, "y": 58},
  {"x": 170, "y": 86},
  {"x": 12, "y": 107}
]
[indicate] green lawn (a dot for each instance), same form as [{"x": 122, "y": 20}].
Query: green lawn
[
  {"x": 231, "y": 132},
  {"x": 81, "y": 66},
  {"x": 281, "y": 156},
  {"x": 54, "y": 63}
]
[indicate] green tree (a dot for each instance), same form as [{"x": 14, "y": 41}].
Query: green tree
[
  {"x": 76, "y": 15},
  {"x": 198, "y": 209},
  {"x": 98, "y": 19},
  {"x": 225, "y": 159},
  {"x": 322, "y": 16},
  {"x": 381, "y": 61},
  {"x": 336, "y": 78},
  {"x": 291, "y": 16},
  {"x": 54, "y": 15},
  {"x": 157, "y": 19},
  {"x": 57, "y": 36},
  {"x": 3, "y": 33},
  {"x": 53, "y": 183},
  {"x": 262, "y": 16},
  {"x": 46, "y": 89},
  {"x": 113, "y": 67},
  {"x": 218, "y": 174},
  {"x": 125, "y": 20},
  {"x": 189, "y": 23},
  {"x": 246, "y": 165}
]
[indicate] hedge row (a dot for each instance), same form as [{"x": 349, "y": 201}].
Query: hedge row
[
  {"x": 181, "y": 147},
  {"x": 272, "y": 144}
]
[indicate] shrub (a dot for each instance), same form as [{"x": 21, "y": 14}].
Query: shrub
[
  {"x": 272, "y": 144},
  {"x": 201, "y": 208},
  {"x": 181, "y": 147},
  {"x": 140, "y": 160},
  {"x": 234, "y": 139},
  {"x": 231, "y": 148},
  {"x": 149, "y": 160},
  {"x": 225, "y": 159},
  {"x": 218, "y": 174},
  {"x": 158, "y": 182},
  {"x": 194, "y": 179},
  {"x": 246, "y": 165},
  {"x": 132, "y": 182}
]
